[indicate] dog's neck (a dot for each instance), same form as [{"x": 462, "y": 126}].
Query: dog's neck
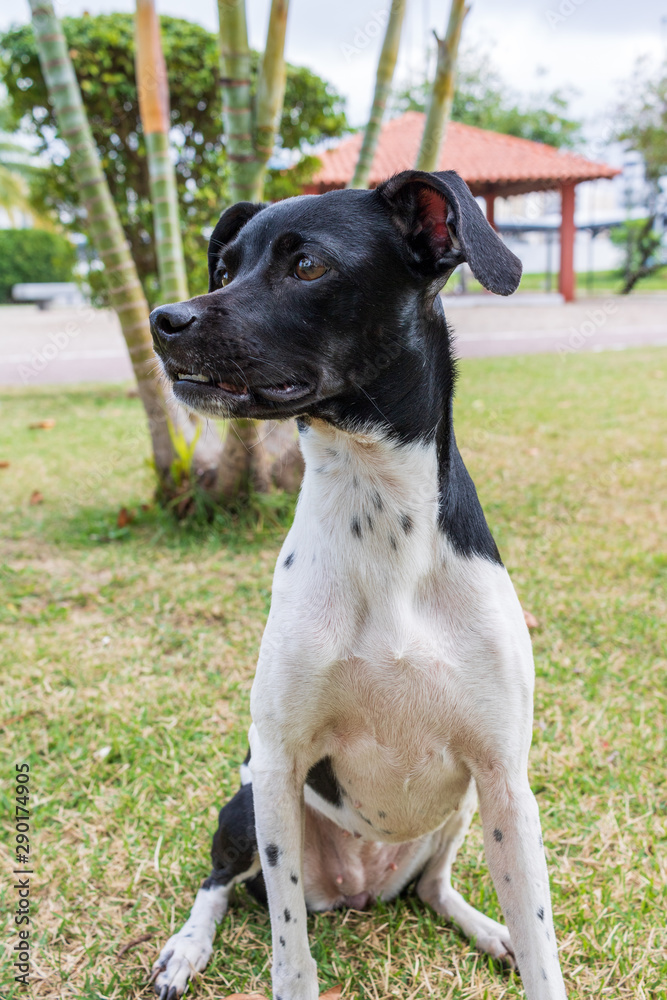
[{"x": 399, "y": 430}]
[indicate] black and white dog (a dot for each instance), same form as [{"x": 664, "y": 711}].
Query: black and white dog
[{"x": 395, "y": 678}]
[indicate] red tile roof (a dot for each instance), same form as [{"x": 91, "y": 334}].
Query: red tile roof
[{"x": 488, "y": 161}]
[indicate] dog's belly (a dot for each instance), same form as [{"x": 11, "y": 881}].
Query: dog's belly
[{"x": 394, "y": 775}]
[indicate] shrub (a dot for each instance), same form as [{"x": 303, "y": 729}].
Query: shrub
[{"x": 33, "y": 255}]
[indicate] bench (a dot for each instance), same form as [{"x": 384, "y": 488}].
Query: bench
[{"x": 46, "y": 294}]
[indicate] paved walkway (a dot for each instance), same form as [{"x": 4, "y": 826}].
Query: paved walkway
[{"x": 86, "y": 345}]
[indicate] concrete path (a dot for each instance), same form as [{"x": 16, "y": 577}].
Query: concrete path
[{"x": 86, "y": 345}]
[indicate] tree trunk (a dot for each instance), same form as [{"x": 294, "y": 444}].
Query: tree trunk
[
  {"x": 236, "y": 100},
  {"x": 442, "y": 94},
  {"x": 104, "y": 226},
  {"x": 383, "y": 80},
  {"x": 253, "y": 453},
  {"x": 153, "y": 92}
]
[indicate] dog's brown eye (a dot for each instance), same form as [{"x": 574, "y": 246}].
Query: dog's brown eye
[{"x": 308, "y": 270}]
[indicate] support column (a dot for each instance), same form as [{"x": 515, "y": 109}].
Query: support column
[
  {"x": 490, "y": 200},
  {"x": 566, "y": 279}
]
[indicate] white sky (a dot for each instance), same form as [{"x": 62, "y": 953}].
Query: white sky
[{"x": 592, "y": 46}]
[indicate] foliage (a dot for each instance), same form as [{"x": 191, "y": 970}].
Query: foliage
[
  {"x": 33, "y": 255},
  {"x": 641, "y": 120},
  {"x": 17, "y": 167},
  {"x": 643, "y": 250},
  {"x": 102, "y": 50},
  {"x": 484, "y": 100}
]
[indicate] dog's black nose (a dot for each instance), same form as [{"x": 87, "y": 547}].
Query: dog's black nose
[{"x": 169, "y": 321}]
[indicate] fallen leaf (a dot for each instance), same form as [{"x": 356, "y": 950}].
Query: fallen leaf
[
  {"x": 36, "y": 497},
  {"x": 245, "y": 996},
  {"x": 4, "y": 465},
  {"x": 531, "y": 620},
  {"x": 332, "y": 994},
  {"x": 42, "y": 425},
  {"x": 124, "y": 518}
]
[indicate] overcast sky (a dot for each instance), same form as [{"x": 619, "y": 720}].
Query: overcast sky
[{"x": 536, "y": 44}]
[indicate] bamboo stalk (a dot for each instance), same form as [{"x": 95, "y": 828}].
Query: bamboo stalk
[
  {"x": 442, "y": 94},
  {"x": 383, "y": 80},
  {"x": 270, "y": 86},
  {"x": 236, "y": 100},
  {"x": 153, "y": 91},
  {"x": 106, "y": 232}
]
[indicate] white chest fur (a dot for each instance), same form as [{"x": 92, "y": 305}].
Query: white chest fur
[{"x": 384, "y": 649}]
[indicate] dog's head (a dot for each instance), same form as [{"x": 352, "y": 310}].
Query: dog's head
[{"x": 313, "y": 299}]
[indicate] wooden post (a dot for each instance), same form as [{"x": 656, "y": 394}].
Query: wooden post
[
  {"x": 490, "y": 200},
  {"x": 566, "y": 280}
]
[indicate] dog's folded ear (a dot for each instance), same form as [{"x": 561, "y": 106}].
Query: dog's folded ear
[
  {"x": 230, "y": 223},
  {"x": 443, "y": 226}
]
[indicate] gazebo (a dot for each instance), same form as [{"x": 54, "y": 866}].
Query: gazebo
[{"x": 492, "y": 164}]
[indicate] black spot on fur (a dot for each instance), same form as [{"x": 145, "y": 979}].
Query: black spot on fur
[
  {"x": 355, "y": 482},
  {"x": 289, "y": 560},
  {"x": 288, "y": 916},
  {"x": 406, "y": 523},
  {"x": 392, "y": 542},
  {"x": 301, "y": 425},
  {"x": 366, "y": 819},
  {"x": 272, "y": 852},
  {"x": 507, "y": 878},
  {"x": 369, "y": 522},
  {"x": 382, "y": 815},
  {"x": 320, "y": 469},
  {"x": 282, "y": 941},
  {"x": 356, "y": 527},
  {"x": 322, "y": 779},
  {"x": 540, "y": 913},
  {"x": 294, "y": 878},
  {"x": 497, "y": 835},
  {"x": 544, "y": 974},
  {"x": 377, "y": 500}
]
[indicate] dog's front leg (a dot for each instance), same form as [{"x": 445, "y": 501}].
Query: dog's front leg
[
  {"x": 514, "y": 851},
  {"x": 279, "y": 817}
]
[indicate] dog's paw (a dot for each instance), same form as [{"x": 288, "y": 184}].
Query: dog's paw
[
  {"x": 184, "y": 955},
  {"x": 495, "y": 941}
]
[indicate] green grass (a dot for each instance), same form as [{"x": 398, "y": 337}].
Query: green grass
[
  {"x": 143, "y": 639},
  {"x": 598, "y": 283}
]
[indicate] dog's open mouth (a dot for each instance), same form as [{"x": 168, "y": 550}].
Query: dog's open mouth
[{"x": 240, "y": 392}]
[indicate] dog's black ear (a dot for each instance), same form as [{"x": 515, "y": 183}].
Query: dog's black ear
[
  {"x": 230, "y": 223},
  {"x": 444, "y": 225}
]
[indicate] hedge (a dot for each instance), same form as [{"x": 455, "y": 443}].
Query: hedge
[{"x": 33, "y": 255}]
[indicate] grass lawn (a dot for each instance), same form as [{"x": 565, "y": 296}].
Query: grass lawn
[
  {"x": 598, "y": 283},
  {"x": 128, "y": 653}
]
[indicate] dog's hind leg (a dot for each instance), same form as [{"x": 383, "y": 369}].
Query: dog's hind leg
[
  {"x": 235, "y": 859},
  {"x": 435, "y": 887}
]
